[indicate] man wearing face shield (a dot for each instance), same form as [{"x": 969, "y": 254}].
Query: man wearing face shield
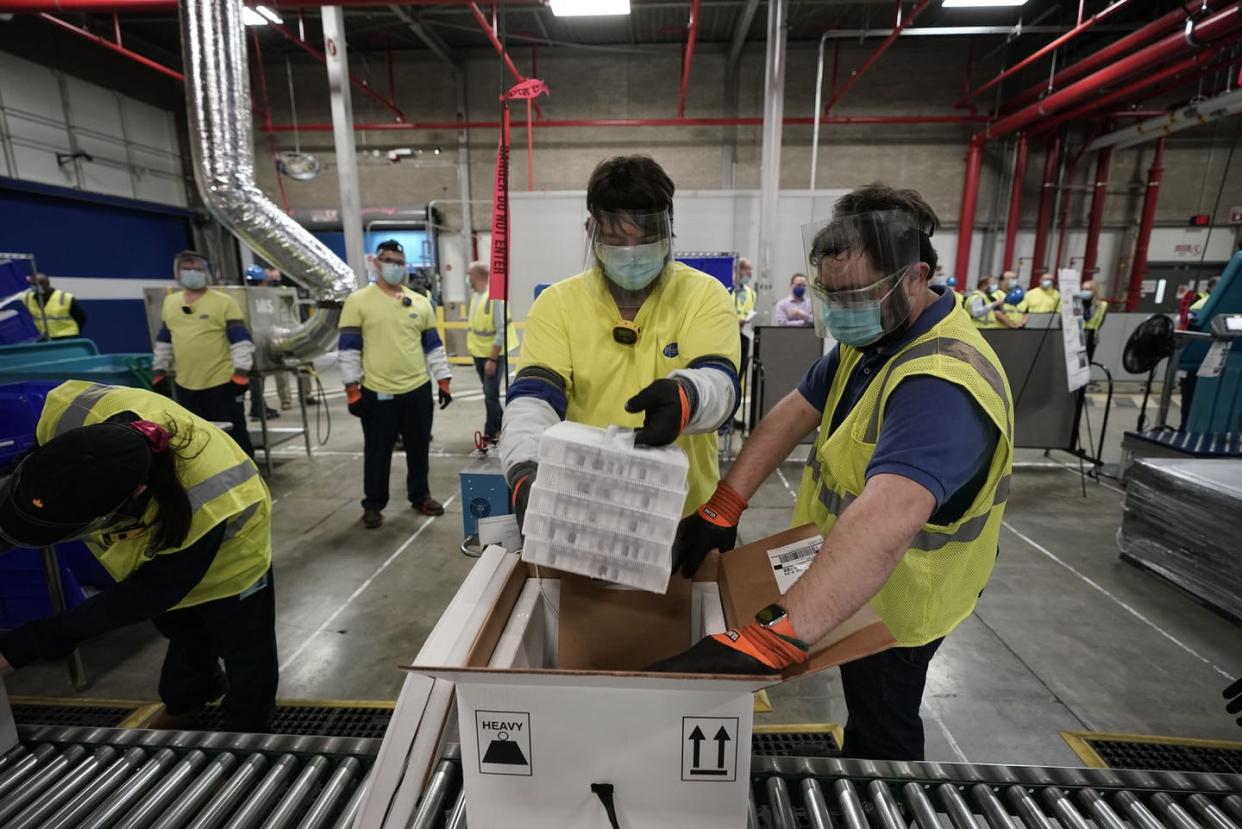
[
  {"x": 179, "y": 517},
  {"x": 205, "y": 338},
  {"x": 57, "y": 315},
  {"x": 637, "y": 340},
  {"x": 910, "y": 515},
  {"x": 389, "y": 352}
]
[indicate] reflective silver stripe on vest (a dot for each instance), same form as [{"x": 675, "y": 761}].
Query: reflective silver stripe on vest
[
  {"x": 79, "y": 407},
  {"x": 220, "y": 483},
  {"x": 235, "y": 524},
  {"x": 951, "y": 348},
  {"x": 926, "y": 540}
]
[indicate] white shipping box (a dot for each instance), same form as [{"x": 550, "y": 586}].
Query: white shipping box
[
  {"x": 559, "y": 702},
  {"x": 8, "y": 731}
]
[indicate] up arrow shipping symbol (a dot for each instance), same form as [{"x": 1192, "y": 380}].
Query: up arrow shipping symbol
[
  {"x": 721, "y": 738},
  {"x": 696, "y": 764},
  {"x": 696, "y": 737}
]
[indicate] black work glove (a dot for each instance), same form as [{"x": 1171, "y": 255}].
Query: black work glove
[
  {"x": 669, "y": 404},
  {"x": 709, "y": 656},
  {"x": 523, "y": 476},
  {"x": 160, "y": 384},
  {"x": 443, "y": 393},
  {"x": 712, "y": 526},
  {"x": 241, "y": 383},
  {"x": 1234, "y": 694},
  {"x": 356, "y": 400}
]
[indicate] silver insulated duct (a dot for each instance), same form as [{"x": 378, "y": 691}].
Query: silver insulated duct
[{"x": 213, "y": 47}]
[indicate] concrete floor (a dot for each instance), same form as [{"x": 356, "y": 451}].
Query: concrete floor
[{"x": 1065, "y": 637}]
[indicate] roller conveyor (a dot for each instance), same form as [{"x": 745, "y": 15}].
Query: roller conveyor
[{"x": 62, "y": 778}]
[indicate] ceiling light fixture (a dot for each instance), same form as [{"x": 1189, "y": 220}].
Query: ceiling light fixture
[
  {"x": 981, "y": 4},
  {"x": 589, "y": 8},
  {"x": 250, "y": 17},
  {"x": 271, "y": 16}
]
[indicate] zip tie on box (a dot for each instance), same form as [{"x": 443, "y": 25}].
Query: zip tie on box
[{"x": 604, "y": 792}]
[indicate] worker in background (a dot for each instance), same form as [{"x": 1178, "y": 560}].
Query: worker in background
[
  {"x": 795, "y": 310},
  {"x": 988, "y": 307},
  {"x": 1094, "y": 310},
  {"x": 1198, "y": 304},
  {"x": 205, "y": 335},
  {"x": 179, "y": 517},
  {"x": 1044, "y": 299},
  {"x": 910, "y": 517},
  {"x": 490, "y": 340},
  {"x": 56, "y": 313},
  {"x": 388, "y": 382},
  {"x": 744, "y": 307},
  {"x": 1007, "y": 282},
  {"x": 638, "y": 340}
]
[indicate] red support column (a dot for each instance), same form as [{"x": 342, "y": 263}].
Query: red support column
[
  {"x": 1047, "y": 201},
  {"x": 1015, "y": 203},
  {"x": 970, "y": 198},
  {"x": 1098, "y": 198},
  {"x": 1139, "y": 267}
]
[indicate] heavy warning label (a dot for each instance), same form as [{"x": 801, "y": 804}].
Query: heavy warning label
[{"x": 504, "y": 742}]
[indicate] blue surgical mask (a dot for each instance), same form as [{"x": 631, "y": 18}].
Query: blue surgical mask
[
  {"x": 632, "y": 267},
  {"x": 193, "y": 280},
  {"x": 392, "y": 273},
  {"x": 799, "y": 291},
  {"x": 858, "y": 326}
]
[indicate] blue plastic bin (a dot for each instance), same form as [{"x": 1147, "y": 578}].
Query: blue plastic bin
[
  {"x": 27, "y": 354},
  {"x": 110, "y": 369},
  {"x": 16, "y": 324},
  {"x": 24, "y": 595},
  {"x": 20, "y": 406}
]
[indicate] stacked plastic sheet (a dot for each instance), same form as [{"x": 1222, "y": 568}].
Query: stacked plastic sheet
[
  {"x": 603, "y": 508},
  {"x": 1183, "y": 521}
]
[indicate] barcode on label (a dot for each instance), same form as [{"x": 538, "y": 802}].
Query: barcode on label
[{"x": 797, "y": 555}]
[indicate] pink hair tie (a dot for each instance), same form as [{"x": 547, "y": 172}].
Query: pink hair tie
[{"x": 156, "y": 435}]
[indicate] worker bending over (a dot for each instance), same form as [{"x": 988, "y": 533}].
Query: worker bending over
[
  {"x": 388, "y": 383},
  {"x": 490, "y": 340},
  {"x": 1044, "y": 299},
  {"x": 204, "y": 337},
  {"x": 178, "y": 515},
  {"x": 910, "y": 517},
  {"x": 56, "y": 313},
  {"x": 637, "y": 340}
]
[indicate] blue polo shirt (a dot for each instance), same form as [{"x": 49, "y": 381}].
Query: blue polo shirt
[{"x": 934, "y": 432}]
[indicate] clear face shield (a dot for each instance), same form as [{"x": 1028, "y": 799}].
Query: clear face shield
[
  {"x": 40, "y": 533},
  {"x": 860, "y": 268},
  {"x": 631, "y": 248},
  {"x": 191, "y": 271}
]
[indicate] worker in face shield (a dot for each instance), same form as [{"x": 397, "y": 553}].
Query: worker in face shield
[
  {"x": 179, "y": 517},
  {"x": 910, "y": 513},
  {"x": 204, "y": 338},
  {"x": 637, "y": 339}
]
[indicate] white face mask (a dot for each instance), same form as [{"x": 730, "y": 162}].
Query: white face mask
[
  {"x": 1045, "y": 283},
  {"x": 392, "y": 273},
  {"x": 193, "y": 280}
]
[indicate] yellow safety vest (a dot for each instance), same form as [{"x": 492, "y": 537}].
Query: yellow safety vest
[
  {"x": 1099, "y": 310},
  {"x": 1200, "y": 302},
  {"x": 223, "y": 485},
  {"x": 482, "y": 334},
  {"x": 743, "y": 301},
  {"x": 52, "y": 318},
  {"x": 988, "y": 320},
  {"x": 938, "y": 580}
]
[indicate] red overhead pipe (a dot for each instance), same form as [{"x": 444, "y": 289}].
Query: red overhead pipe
[
  {"x": 1047, "y": 199},
  {"x": 1042, "y": 51},
  {"x": 1138, "y": 268},
  {"x": 354, "y": 79},
  {"x": 970, "y": 197},
  {"x": 878, "y": 53},
  {"x": 1015, "y": 202},
  {"x": 1219, "y": 25},
  {"x": 692, "y": 33},
  {"x": 1099, "y": 195},
  {"x": 1170, "y": 22},
  {"x": 496, "y": 44},
  {"x": 840, "y": 120},
  {"x": 115, "y": 47},
  {"x": 1147, "y": 85}
]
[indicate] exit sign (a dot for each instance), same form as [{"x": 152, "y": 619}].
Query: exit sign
[
  {"x": 1235, "y": 215},
  {"x": 1200, "y": 220}
]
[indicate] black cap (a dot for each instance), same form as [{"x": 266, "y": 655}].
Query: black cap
[
  {"x": 72, "y": 480},
  {"x": 392, "y": 245}
]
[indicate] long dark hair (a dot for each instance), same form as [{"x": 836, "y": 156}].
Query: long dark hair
[{"x": 173, "y": 513}]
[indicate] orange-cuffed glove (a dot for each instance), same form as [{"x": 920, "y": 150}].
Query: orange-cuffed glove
[
  {"x": 241, "y": 380},
  {"x": 669, "y": 404},
  {"x": 713, "y": 526},
  {"x": 752, "y": 649},
  {"x": 353, "y": 398},
  {"x": 160, "y": 384},
  {"x": 445, "y": 397}
]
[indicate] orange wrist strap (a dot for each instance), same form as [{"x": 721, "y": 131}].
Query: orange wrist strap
[
  {"x": 724, "y": 508},
  {"x": 766, "y": 646},
  {"x": 685, "y": 408}
]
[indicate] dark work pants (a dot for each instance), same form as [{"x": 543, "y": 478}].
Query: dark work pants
[
  {"x": 220, "y": 403},
  {"x": 408, "y": 415},
  {"x": 491, "y": 394},
  {"x": 883, "y": 693},
  {"x": 241, "y": 633}
]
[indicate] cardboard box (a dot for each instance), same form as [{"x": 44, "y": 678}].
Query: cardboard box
[{"x": 556, "y": 700}]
